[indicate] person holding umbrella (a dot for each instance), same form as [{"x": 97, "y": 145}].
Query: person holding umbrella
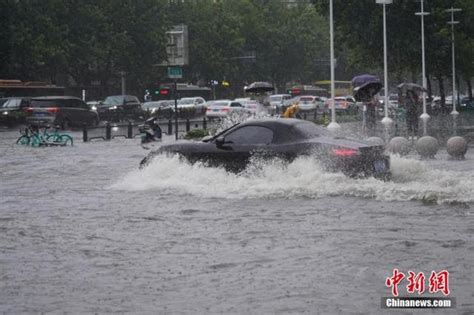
[{"x": 365, "y": 88}]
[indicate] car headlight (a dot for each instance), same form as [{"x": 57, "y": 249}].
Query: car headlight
[
  {"x": 113, "y": 107},
  {"x": 93, "y": 107},
  {"x": 5, "y": 113}
]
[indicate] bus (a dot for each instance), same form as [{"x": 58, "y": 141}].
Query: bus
[
  {"x": 17, "y": 88},
  {"x": 165, "y": 91},
  {"x": 342, "y": 88},
  {"x": 299, "y": 90}
]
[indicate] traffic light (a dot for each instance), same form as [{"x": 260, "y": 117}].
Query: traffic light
[
  {"x": 225, "y": 83},
  {"x": 165, "y": 92}
]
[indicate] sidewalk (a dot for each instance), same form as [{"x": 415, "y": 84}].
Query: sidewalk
[{"x": 441, "y": 127}]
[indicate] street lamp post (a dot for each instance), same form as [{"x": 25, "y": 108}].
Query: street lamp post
[
  {"x": 333, "y": 126},
  {"x": 386, "y": 121},
  {"x": 422, "y": 14},
  {"x": 452, "y": 23}
]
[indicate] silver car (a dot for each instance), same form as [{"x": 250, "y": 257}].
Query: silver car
[{"x": 220, "y": 109}]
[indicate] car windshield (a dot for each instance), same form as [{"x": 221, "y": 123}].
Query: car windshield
[
  {"x": 310, "y": 130},
  {"x": 275, "y": 98},
  {"x": 45, "y": 103},
  {"x": 186, "y": 101},
  {"x": 114, "y": 100},
  {"x": 306, "y": 99},
  {"x": 12, "y": 103}
]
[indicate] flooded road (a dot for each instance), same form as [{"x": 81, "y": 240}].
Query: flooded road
[{"x": 83, "y": 230}]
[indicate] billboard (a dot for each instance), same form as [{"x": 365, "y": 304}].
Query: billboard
[{"x": 177, "y": 46}]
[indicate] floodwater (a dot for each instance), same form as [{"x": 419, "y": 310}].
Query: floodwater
[{"x": 83, "y": 230}]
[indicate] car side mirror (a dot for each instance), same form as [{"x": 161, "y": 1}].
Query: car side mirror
[
  {"x": 206, "y": 138},
  {"x": 221, "y": 143}
]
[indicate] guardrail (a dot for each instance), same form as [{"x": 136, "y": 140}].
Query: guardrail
[{"x": 130, "y": 130}]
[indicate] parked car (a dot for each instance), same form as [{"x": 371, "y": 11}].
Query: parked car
[
  {"x": 162, "y": 109},
  {"x": 154, "y": 106},
  {"x": 220, "y": 109},
  {"x": 192, "y": 105},
  {"x": 276, "y": 102},
  {"x": 254, "y": 107},
  {"x": 13, "y": 110},
  {"x": 310, "y": 103},
  {"x": 343, "y": 104},
  {"x": 120, "y": 107},
  {"x": 466, "y": 104},
  {"x": 64, "y": 111},
  {"x": 286, "y": 139}
]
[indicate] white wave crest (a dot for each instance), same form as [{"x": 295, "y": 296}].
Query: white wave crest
[{"x": 304, "y": 177}]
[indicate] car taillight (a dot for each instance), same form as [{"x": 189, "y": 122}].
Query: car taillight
[
  {"x": 225, "y": 109},
  {"x": 344, "y": 152},
  {"x": 28, "y": 110},
  {"x": 209, "y": 110},
  {"x": 52, "y": 110}
]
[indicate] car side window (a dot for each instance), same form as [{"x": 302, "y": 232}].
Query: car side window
[
  {"x": 250, "y": 135},
  {"x": 235, "y": 104},
  {"x": 72, "y": 103},
  {"x": 134, "y": 100}
]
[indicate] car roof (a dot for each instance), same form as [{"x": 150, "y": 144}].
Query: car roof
[
  {"x": 121, "y": 95},
  {"x": 283, "y": 128},
  {"x": 59, "y": 97},
  {"x": 192, "y": 98},
  {"x": 15, "y": 97}
]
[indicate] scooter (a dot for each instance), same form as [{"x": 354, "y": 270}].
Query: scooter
[{"x": 150, "y": 131}]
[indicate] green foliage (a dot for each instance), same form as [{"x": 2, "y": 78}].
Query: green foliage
[
  {"x": 196, "y": 134},
  {"x": 95, "y": 40}
]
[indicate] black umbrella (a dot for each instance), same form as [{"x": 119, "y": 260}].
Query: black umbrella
[
  {"x": 259, "y": 87},
  {"x": 365, "y": 87},
  {"x": 404, "y": 87}
]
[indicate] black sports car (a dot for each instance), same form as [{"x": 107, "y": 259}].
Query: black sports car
[{"x": 286, "y": 139}]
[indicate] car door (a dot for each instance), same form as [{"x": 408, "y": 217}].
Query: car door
[{"x": 235, "y": 148}]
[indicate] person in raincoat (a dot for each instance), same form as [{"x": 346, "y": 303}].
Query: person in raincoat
[
  {"x": 412, "y": 107},
  {"x": 291, "y": 111}
]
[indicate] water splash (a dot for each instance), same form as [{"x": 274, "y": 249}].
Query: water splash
[{"x": 304, "y": 177}]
